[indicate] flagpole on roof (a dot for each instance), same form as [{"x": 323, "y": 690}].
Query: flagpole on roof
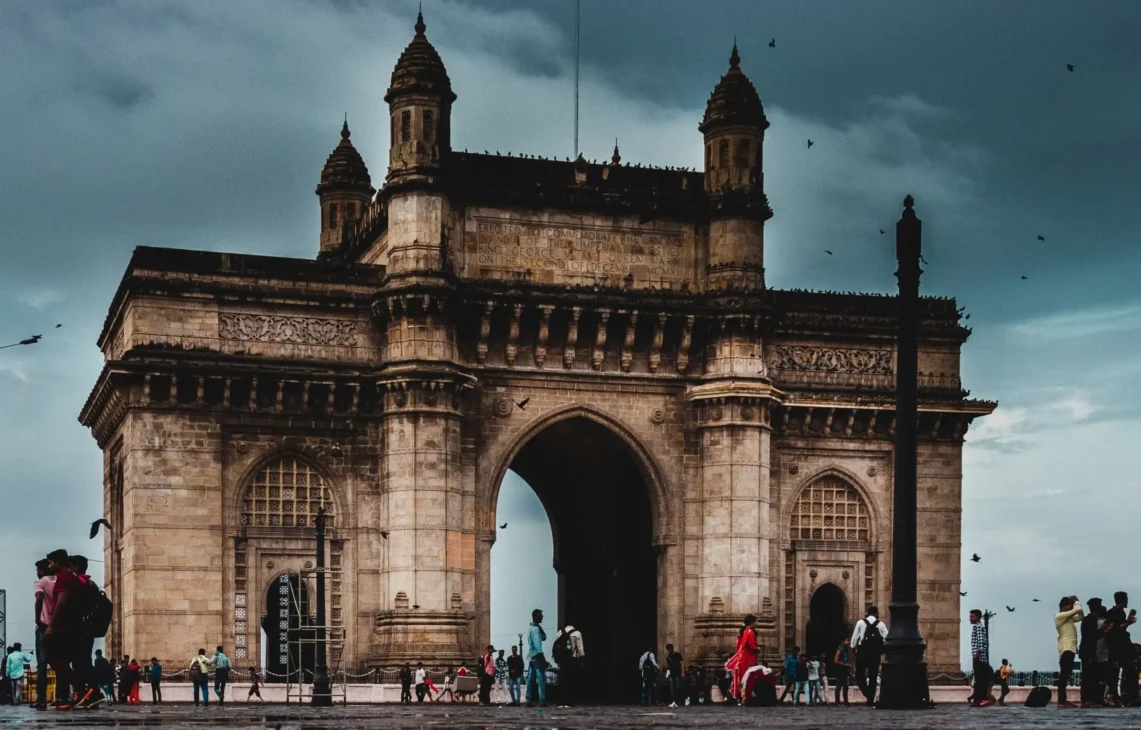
[{"x": 576, "y": 56}]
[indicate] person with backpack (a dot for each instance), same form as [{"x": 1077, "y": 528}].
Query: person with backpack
[
  {"x": 867, "y": 642},
  {"x": 1004, "y": 673},
  {"x": 568, "y": 654},
  {"x": 200, "y": 677},
  {"x": 648, "y": 666},
  {"x": 69, "y": 650}
]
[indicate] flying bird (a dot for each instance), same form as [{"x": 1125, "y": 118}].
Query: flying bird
[
  {"x": 415, "y": 606},
  {"x": 503, "y": 526},
  {"x": 881, "y": 231},
  {"x": 773, "y": 44},
  {"x": 384, "y": 534},
  {"x": 523, "y": 403},
  {"x": 809, "y": 144},
  {"x": 962, "y": 593},
  {"x": 58, "y": 326},
  {"x": 827, "y": 252},
  {"x": 1008, "y": 608},
  {"x": 923, "y": 259},
  {"x": 95, "y": 527},
  {"x": 1041, "y": 237},
  {"x": 1036, "y": 600},
  {"x": 1024, "y": 278},
  {"x": 1070, "y": 67},
  {"x": 967, "y": 317},
  {"x": 975, "y": 558}
]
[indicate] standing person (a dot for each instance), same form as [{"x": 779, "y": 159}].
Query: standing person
[
  {"x": 675, "y": 675},
  {"x": 154, "y": 676},
  {"x": 1121, "y": 651},
  {"x": 5, "y": 683},
  {"x": 536, "y": 661},
  {"x": 486, "y": 674},
  {"x": 813, "y": 681},
  {"x": 1069, "y": 614},
  {"x": 124, "y": 670},
  {"x": 801, "y": 680},
  {"x": 515, "y": 674},
  {"x": 104, "y": 674},
  {"x": 1093, "y": 670},
  {"x": 648, "y": 666},
  {"x": 64, "y": 644},
  {"x": 222, "y": 668},
  {"x": 14, "y": 672},
  {"x": 421, "y": 683},
  {"x": 744, "y": 658},
  {"x": 569, "y": 654},
  {"x": 200, "y": 677},
  {"x": 867, "y": 641},
  {"x": 136, "y": 673},
  {"x": 980, "y": 656},
  {"x": 405, "y": 684},
  {"x": 1004, "y": 673},
  {"x": 501, "y": 672},
  {"x": 84, "y": 640},
  {"x": 44, "y": 592},
  {"x": 255, "y": 686},
  {"x": 789, "y": 671},
  {"x": 843, "y": 663}
]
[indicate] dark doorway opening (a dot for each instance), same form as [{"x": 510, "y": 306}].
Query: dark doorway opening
[
  {"x": 601, "y": 519},
  {"x": 826, "y": 624},
  {"x": 286, "y": 621}
]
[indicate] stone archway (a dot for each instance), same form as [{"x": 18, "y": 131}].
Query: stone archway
[
  {"x": 286, "y": 620},
  {"x": 827, "y": 623},
  {"x": 595, "y": 492}
]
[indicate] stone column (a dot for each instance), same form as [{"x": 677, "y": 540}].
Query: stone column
[{"x": 939, "y": 535}]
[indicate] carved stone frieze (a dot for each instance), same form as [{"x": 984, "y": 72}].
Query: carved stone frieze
[
  {"x": 295, "y": 330},
  {"x": 833, "y": 360}
]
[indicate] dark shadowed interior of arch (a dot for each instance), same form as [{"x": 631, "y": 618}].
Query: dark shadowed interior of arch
[
  {"x": 827, "y": 626},
  {"x": 286, "y": 630},
  {"x": 601, "y": 519}
]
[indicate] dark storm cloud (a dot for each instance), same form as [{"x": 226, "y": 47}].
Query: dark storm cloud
[{"x": 205, "y": 125}]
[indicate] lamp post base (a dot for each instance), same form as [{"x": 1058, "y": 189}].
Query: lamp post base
[
  {"x": 322, "y": 691},
  {"x": 903, "y": 675}
]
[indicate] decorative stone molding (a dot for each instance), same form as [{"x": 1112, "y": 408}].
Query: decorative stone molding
[
  {"x": 794, "y": 468},
  {"x": 503, "y": 408},
  {"x": 544, "y": 332},
  {"x": 572, "y": 337},
  {"x": 598, "y": 356},
  {"x": 833, "y": 360},
  {"x": 658, "y": 416},
  {"x": 294, "y": 330},
  {"x": 747, "y": 413},
  {"x": 872, "y": 471}
]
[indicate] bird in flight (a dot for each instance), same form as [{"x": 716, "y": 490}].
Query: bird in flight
[
  {"x": 881, "y": 231},
  {"x": 1070, "y": 67},
  {"x": 1041, "y": 237},
  {"x": 1036, "y": 600},
  {"x": 827, "y": 252},
  {"x": 1024, "y": 278},
  {"x": 1008, "y": 608},
  {"x": 967, "y": 317},
  {"x": 95, "y": 527},
  {"x": 962, "y": 593},
  {"x": 523, "y": 403},
  {"x": 773, "y": 43},
  {"x": 384, "y": 534},
  {"x": 809, "y": 144},
  {"x": 58, "y": 326},
  {"x": 503, "y": 526},
  {"x": 975, "y": 558}
]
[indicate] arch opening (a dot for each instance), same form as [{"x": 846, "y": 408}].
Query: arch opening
[
  {"x": 595, "y": 494},
  {"x": 285, "y": 622},
  {"x": 827, "y": 623}
]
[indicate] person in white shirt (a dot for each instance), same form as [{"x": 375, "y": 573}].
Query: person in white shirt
[
  {"x": 867, "y": 643},
  {"x": 421, "y": 687},
  {"x": 813, "y": 682}
]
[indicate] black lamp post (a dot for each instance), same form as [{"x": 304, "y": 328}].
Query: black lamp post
[
  {"x": 322, "y": 692},
  {"x": 904, "y": 678}
]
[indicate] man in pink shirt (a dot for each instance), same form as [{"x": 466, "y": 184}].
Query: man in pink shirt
[{"x": 45, "y": 606}]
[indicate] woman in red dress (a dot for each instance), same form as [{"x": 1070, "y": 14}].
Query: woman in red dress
[{"x": 744, "y": 658}]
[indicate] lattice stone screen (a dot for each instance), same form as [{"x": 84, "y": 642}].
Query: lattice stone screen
[
  {"x": 829, "y": 509},
  {"x": 286, "y": 493}
]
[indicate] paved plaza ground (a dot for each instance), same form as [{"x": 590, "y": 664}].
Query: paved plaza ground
[{"x": 399, "y": 717}]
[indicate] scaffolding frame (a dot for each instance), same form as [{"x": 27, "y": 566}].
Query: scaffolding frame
[{"x": 296, "y": 688}]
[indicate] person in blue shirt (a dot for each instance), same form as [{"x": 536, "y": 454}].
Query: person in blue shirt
[
  {"x": 536, "y": 661},
  {"x": 14, "y": 672},
  {"x": 790, "y": 662},
  {"x": 154, "y": 674},
  {"x": 222, "y": 667}
]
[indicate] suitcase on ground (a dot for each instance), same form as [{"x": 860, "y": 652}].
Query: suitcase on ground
[{"x": 1039, "y": 697}]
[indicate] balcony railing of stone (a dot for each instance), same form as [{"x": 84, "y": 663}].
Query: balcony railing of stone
[{"x": 865, "y": 381}]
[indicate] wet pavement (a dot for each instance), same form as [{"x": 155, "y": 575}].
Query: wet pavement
[{"x": 399, "y": 717}]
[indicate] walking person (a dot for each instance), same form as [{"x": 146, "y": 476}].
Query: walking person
[
  {"x": 449, "y": 689},
  {"x": 222, "y": 668},
  {"x": 44, "y": 592},
  {"x": 421, "y": 683},
  {"x": 406, "y": 684},
  {"x": 842, "y": 661},
  {"x": 486, "y": 674},
  {"x": 867, "y": 641},
  {"x": 1093, "y": 661},
  {"x": 648, "y": 666},
  {"x": 515, "y": 674},
  {"x": 980, "y": 656},
  {"x": 154, "y": 676},
  {"x": 536, "y": 661},
  {"x": 675, "y": 675},
  {"x": 65, "y": 645},
  {"x": 1121, "y": 651},
  {"x": 104, "y": 674},
  {"x": 1067, "y": 618},
  {"x": 84, "y": 640},
  {"x": 200, "y": 677},
  {"x": 1004, "y": 673},
  {"x": 789, "y": 671},
  {"x": 255, "y": 685},
  {"x": 568, "y": 653},
  {"x": 14, "y": 670}
]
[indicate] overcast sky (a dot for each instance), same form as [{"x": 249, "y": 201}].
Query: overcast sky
[{"x": 205, "y": 125}]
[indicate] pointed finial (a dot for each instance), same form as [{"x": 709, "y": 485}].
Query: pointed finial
[
  {"x": 345, "y": 127},
  {"x": 909, "y": 202},
  {"x": 734, "y": 57},
  {"x": 615, "y": 158},
  {"x": 420, "y": 27}
]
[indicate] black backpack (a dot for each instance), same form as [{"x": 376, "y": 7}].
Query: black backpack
[
  {"x": 1038, "y": 697},
  {"x": 563, "y": 649},
  {"x": 93, "y": 610},
  {"x": 649, "y": 671},
  {"x": 872, "y": 643}
]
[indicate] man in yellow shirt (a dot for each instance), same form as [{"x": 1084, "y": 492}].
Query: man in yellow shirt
[
  {"x": 1004, "y": 673},
  {"x": 1067, "y": 618}
]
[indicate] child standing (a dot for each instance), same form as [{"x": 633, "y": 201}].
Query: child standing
[{"x": 255, "y": 685}]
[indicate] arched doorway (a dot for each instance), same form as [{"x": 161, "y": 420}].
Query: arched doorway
[
  {"x": 602, "y": 522},
  {"x": 827, "y": 626},
  {"x": 286, "y": 620}
]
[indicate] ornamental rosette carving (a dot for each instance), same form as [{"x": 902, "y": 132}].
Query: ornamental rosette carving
[
  {"x": 294, "y": 330},
  {"x": 833, "y": 360}
]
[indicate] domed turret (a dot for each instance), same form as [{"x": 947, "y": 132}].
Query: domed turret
[
  {"x": 734, "y": 127},
  {"x": 420, "y": 100},
  {"x": 345, "y": 190}
]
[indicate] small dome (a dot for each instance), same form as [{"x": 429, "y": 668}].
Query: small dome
[
  {"x": 734, "y": 100},
  {"x": 420, "y": 69},
  {"x": 345, "y": 169}
]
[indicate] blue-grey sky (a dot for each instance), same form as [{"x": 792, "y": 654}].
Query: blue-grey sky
[{"x": 205, "y": 125}]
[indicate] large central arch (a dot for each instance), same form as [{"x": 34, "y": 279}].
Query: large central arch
[{"x": 599, "y": 492}]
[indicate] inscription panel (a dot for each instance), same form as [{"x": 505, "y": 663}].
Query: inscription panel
[{"x": 576, "y": 253}]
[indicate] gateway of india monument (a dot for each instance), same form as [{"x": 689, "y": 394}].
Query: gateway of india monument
[{"x": 704, "y": 446}]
